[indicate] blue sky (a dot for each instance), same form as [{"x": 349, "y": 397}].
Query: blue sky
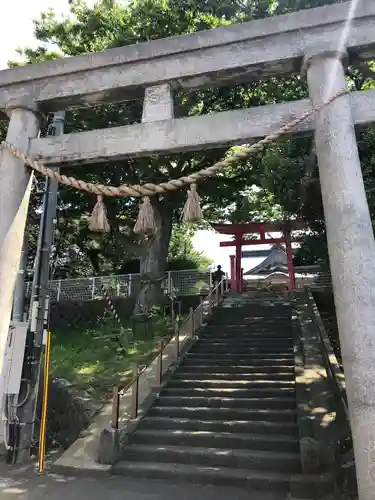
[{"x": 17, "y": 31}]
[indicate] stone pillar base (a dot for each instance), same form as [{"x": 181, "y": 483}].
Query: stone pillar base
[{"x": 111, "y": 446}]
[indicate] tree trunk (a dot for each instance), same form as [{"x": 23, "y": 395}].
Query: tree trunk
[{"x": 153, "y": 263}]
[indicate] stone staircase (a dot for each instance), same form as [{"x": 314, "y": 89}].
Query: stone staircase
[{"x": 228, "y": 414}]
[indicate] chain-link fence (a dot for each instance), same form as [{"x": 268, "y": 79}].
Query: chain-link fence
[
  {"x": 188, "y": 282},
  {"x": 176, "y": 283}
]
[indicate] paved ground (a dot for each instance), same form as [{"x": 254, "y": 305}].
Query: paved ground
[{"x": 24, "y": 484}]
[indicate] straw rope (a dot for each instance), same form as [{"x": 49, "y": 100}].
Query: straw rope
[{"x": 150, "y": 189}]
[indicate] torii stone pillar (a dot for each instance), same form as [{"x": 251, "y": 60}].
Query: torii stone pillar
[
  {"x": 15, "y": 187},
  {"x": 351, "y": 249}
]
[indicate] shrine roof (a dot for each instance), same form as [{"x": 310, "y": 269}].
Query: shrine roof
[{"x": 275, "y": 262}]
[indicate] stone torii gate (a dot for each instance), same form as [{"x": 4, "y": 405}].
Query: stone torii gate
[
  {"x": 315, "y": 42},
  {"x": 261, "y": 228}
]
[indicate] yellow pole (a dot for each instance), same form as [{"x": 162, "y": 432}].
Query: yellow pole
[{"x": 43, "y": 423}]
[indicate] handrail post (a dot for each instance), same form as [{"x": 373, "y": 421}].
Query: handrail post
[
  {"x": 169, "y": 283},
  {"x": 210, "y": 304},
  {"x": 115, "y": 407},
  {"x": 159, "y": 365},
  {"x": 196, "y": 318},
  {"x": 201, "y": 316},
  {"x": 217, "y": 298},
  {"x": 192, "y": 326},
  {"x": 177, "y": 333},
  {"x": 135, "y": 387},
  {"x": 173, "y": 315},
  {"x": 58, "y": 291},
  {"x": 222, "y": 288}
]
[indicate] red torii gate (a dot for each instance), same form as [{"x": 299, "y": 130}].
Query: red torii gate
[{"x": 261, "y": 228}]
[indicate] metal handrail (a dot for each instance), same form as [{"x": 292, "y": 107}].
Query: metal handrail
[
  {"x": 333, "y": 365},
  {"x": 219, "y": 287},
  {"x": 198, "y": 312}
]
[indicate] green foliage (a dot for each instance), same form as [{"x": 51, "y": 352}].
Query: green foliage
[
  {"x": 95, "y": 360},
  {"x": 313, "y": 250},
  {"x": 257, "y": 204},
  {"x": 115, "y": 25},
  {"x": 181, "y": 253},
  {"x": 285, "y": 174},
  {"x": 195, "y": 261}
]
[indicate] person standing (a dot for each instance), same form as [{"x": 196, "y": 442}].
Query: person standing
[{"x": 217, "y": 276}]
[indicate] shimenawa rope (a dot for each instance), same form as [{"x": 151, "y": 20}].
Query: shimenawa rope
[{"x": 99, "y": 221}]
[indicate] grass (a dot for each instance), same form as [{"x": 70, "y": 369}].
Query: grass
[{"x": 94, "y": 360}]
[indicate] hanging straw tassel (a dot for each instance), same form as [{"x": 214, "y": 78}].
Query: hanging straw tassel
[
  {"x": 192, "y": 211},
  {"x": 146, "y": 221},
  {"x": 98, "y": 220}
]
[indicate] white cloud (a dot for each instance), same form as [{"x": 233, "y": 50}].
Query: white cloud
[{"x": 17, "y": 28}]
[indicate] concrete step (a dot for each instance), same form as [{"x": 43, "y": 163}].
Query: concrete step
[
  {"x": 232, "y": 426},
  {"x": 243, "y": 322},
  {"x": 233, "y": 384},
  {"x": 242, "y": 347},
  {"x": 257, "y": 314},
  {"x": 249, "y": 364},
  {"x": 244, "y": 317},
  {"x": 228, "y": 402},
  {"x": 206, "y": 413},
  {"x": 280, "y": 392},
  {"x": 237, "y": 357},
  {"x": 271, "y": 461},
  {"x": 278, "y": 325},
  {"x": 246, "y": 323},
  {"x": 244, "y": 342},
  {"x": 226, "y": 325},
  {"x": 200, "y": 366},
  {"x": 245, "y": 339},
  {"x": 255, "y": 335},
  {"x": 259, "y": 352},
  {"x": 252, "y": 480},
  {"x": 255, "y": 324},
  {"x": 226, "y": 373},
  {"x": 256, "y": 332},
  {"x": 248, "y": 342},
  {"x": 270, "y": 442}
]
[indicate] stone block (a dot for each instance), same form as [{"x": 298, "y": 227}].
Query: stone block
[
  {"x": 111, "y": 445},
  {"x": 311, "y": 486},
  {"x": 310, "y": 456}
]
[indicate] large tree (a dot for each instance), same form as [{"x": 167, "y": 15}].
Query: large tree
[{"x": 286, "y": 173}]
